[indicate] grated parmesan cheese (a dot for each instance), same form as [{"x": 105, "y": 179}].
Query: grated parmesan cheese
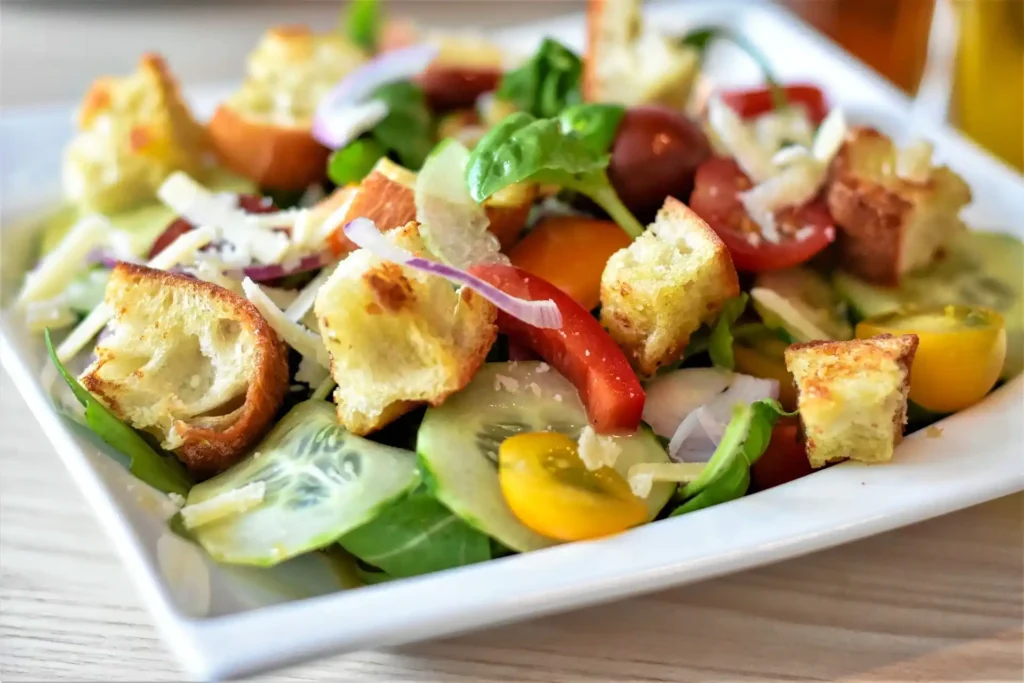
[
  {"x": 227, "y": 504},
  {"x": 308, "y": 345},
  {"x": 597, "y": 451}
]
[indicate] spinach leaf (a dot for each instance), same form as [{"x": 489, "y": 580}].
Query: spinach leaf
[
  {"x": 547, "y": 83},
  {"x": 720, "y": 342},
  {"x": 596, "y": 124},
  {"x": 417, "y": 535},
  {"x": 727, "y": 475},
  {"x": 408, "y": 129},
  {"x": 700, "y": 39},
  {"x": 352, "y": 163},
  {"x": 363, "y": 24},
  {"x": 161, "y": 472},
  {"x": 525, "y": 148}
]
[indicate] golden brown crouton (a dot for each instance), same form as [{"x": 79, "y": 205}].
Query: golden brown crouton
[
  {"x": 191, "y": 363},
  {"x": 263, "y": 130},
  {"x": 888, "y": 224},
  {"x": 657, "y": 291},
  {"x": 398, "y": 337},
  {"x": 132, "y": 133},
  {"x": 852, "y": 396}
]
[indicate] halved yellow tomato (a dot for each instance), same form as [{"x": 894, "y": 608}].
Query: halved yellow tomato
[
  {"x": 959, "y": 356},
  {"x": 551, "y": 491}
]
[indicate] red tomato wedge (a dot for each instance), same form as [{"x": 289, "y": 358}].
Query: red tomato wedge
[
  {"x": 784, "y": 460},
  {"x": 581, "y": 350},
  {"x": 751, "y": 103},
  {"x": 804, "y": 230}
]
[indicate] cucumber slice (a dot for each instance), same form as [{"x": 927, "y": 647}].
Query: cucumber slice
[
  {"x": 458, "y": 444},
  {"x": 981, "y": 269},
  {"x": 802, "y": 303},
  {"x": 321, "y": 482}
]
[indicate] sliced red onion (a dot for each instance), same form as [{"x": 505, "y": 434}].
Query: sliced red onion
[
  {"x": 364, "y": 234},
  {"x": 278, "y": 270},
  {"x": 332, "y": 123},
  {"x": 106, "y": 258},
  {"x": 674, "y": 395},
  {"x": 339, "y": 126}
]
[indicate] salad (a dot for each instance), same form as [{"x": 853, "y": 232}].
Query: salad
[{"x": 411, "y": 298}]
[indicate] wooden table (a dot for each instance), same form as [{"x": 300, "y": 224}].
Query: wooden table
[{"x": 938, "y": 601}]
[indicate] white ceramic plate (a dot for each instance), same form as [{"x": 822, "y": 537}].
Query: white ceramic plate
[{"x": 228, "y": 621}]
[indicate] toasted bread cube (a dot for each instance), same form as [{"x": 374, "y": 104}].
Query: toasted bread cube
[
  {"x": 263, "y": 131},
  {"x": 888, "y": 224},
  {"x": 193, "y": 364},
  {"x": 657, "y": 291},
  {"x": 133, "y": 132},
  {"x": 398, "y": 337},
  {"x": 627, "y": 66},
  {"x": 852, "y": 396}
]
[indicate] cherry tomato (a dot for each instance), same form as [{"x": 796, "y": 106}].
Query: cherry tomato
[
  {"x": 587, "y": 242},
  {"x": 448, "y": 87},
  {"x": 655, "y": 155},
  {"x": 581, "y": 350},
  {"x": 757, "y": 101},
  {"x": 250, "y": 203},
  {"x": 804, "y": 230},
  {"x": 784, "y": 460},
  {"x": 960, "y": 352},
  {"x": 550, "y": 490}
]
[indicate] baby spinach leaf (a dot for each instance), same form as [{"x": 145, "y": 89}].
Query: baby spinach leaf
[
  {"x": 721, "y": 340},
  {"x": 523, "y": 148},
  {"x": 596, "y": 124},
  {"x": 700, "y": 39},
  {"x": 417, "y": 535},
  {"x": 352, "y": 163},
  {"x": 362, "y": 24},
  {"x": 547, "y": 83},
  {"x": 160, "y": 472},
  {"x": 408, "y": 129}
]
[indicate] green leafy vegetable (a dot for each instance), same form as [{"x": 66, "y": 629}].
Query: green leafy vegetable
[
  {"x": 547, "y": 83},
  {"x": 596, "y": 124},
  {"x": 720, "y": 342},
  {"x": 160, "y": 472},
  {"x": 362, "y": 24},
  {"x": 700, "y": 39},
  {"x": 417, "y": 535},
  {"x": 408, "y": 129},
  {"x": 352, "y": 163},
  {"x": 727, "y": 475},
  {"x": 524, "y": 148}
]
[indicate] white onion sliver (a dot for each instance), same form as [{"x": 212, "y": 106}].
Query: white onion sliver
[
  {"x": 673, "y": 396},
  {"x": 342, "y": 125},
  {"x": 365, "y": 235}
]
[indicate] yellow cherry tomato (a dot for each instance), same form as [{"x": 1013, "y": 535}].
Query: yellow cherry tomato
[
  {"x": 959, "y": 356},
  {"x": 763, "y": 357},
  {"x": 551, "y": 491}
]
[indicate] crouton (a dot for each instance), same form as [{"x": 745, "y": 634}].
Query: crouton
[
  {"x": 133, "y": 132},
  {"x": 263, "y": 131},
  {"x": 889, "y": 223},
  {"x": 398, "y": 337},
  {"x": 852, "y": 396},
  {"x": 627, "y": 66},
  {"x": 189, "y": 362},
  {"x": 657, "y": 291}
]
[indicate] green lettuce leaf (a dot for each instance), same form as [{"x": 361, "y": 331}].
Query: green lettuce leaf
[
  {"x": 362, "y": 24},
  {"x": 547, "y": 83},
  {"x": 721, "y": 340}
]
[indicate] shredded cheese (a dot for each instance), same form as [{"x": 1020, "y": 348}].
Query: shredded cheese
[
  {"x": 641, "y": 477},
  {"x": 308, "y": 344},
  {"x": 740, "y": 141},
  {"x": 303, "y": 303},
  {"x": 56, "y": 270},
  {"x": 597, "y": 451},
  {"x": 227, "y": 504},
  {"x": 48, "y": 314}
]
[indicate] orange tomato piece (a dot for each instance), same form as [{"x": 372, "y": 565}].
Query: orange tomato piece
[{"x": 570, "y": 252}]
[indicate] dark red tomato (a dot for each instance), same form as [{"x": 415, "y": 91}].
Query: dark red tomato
[
  {"x": 448, "y": 87},
  {"x": 751, "y": 103},
  {"x": 784, "y": 460},
  {"x": 656, "y": 152},
  {"x": 250, "y": 203},
  {"x": 581, "y": 350},
  {"x": 804, "y": 231}
]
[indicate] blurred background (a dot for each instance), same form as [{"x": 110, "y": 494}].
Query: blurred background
[{"x": 967, "y": 55}]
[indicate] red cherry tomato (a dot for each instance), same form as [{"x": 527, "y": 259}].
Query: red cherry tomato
[
  {"x": 784, "y": 460},
  {"x": 751, "y": 103},
  {"x": 581, "y": 350},
  {"x": 250, "y": 203},
  {"x": 804, "y": 231}
]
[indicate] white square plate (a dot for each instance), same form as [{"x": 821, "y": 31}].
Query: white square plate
[{"x": 229, "y": 621}]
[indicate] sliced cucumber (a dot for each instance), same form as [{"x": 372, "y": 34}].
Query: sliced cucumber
[
  {"x": 981, "y": 269},
  {"x": 458, "y": 444},
  {"x": 801, "y": 303},
  {"x": 321, "y": 482}
]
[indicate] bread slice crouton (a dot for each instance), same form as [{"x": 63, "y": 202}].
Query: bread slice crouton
[
  {"x": 133, "y": 132},
  {"x": 398, "y": 337},
  {"x": 189, "y": 362},
  {"x": 657, "y": 291},
  {"x": 888, "y": 224},
  {"x": 852, "y": 396},
  {"x": 263, "y": 131},
  {"x": 628, "y": 66}
]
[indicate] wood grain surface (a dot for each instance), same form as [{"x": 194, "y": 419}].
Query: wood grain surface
[{"x": 939, "y": 601}]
